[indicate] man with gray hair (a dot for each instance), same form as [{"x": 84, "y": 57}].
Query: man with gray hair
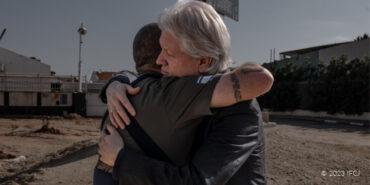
[
  {"x": 201, "y": 30},
  {"x": 232, "y": 136}
]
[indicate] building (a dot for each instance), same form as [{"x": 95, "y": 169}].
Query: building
[
  {"x": 325, "y": 53},
  {"x": 101, "y": 77},
  {"x": 94, "y": 106},
  {"x": 28, "y": 87},
  {"x": 12, "y": 63}
]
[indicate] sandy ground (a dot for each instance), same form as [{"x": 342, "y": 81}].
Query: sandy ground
[
  {"x": 297, "y": 152},
  {"x": 46, "y": 152},
  {"x": 301, "y": 152}
]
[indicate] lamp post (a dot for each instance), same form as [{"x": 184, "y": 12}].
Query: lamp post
[{"x": 81, "y": 31}]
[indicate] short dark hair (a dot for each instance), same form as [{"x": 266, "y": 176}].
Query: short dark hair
[{"x": 146, "y": 46}]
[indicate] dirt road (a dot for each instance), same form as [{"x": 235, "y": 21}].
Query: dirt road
[
  {"x": 301, "y": 152},
  {"x": 297, "y": 152}
]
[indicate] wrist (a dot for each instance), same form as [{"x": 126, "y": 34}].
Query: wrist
[
  {"x": 103, "y": 92},
  {"x": 116, "y": 156},
  {"x": 113, "y": 84}
]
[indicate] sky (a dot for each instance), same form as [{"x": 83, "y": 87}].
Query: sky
[{"x": 47, "y": 29}]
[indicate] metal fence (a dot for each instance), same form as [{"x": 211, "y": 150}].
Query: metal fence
[{"x": 34, "y": 83}]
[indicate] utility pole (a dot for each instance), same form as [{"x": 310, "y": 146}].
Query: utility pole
[{"x": 81, "y": 31}]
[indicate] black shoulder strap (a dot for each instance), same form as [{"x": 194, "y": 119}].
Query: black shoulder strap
[{"x": 149, "y": 147}]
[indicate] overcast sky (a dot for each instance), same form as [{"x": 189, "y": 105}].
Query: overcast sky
[{"x": 47, "y": 29}]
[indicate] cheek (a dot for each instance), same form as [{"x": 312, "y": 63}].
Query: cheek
[{"x": 190, "y": 68}]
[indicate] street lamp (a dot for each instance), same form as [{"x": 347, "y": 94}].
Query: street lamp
[{"x": 81, "y": 31}]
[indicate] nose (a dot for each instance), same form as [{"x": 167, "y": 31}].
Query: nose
[{"x": 160, "y": 59}]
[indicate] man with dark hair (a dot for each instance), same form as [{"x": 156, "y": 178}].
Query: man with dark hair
[
  {"x": 146, "y": 47},
  {"x": 145, "y": 51}
]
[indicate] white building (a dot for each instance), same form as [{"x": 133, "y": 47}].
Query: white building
[
  {"x": 27, "y": 86},
  {"x": 13, "y": 63},
  {"x": 325, "y": 53}
]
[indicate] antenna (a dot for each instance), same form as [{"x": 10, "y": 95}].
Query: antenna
[
  {"x": 2, "y": 33},
  {"x": 270, "y": 55}
]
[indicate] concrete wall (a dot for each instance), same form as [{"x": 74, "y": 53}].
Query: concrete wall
[
  {"x": 313, "y": 57},
  {"x": 94, "y": 106},
  {"x": 22, "y": 99},
  {"x": 56, "y": 99},
  {"x": 13, "y": 63},
  {"x": 352, "y": 50},
  {"x": 30, "y": 99}
]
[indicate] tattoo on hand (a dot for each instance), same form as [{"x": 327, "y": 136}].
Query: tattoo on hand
[{"x": 236, "y": 87}]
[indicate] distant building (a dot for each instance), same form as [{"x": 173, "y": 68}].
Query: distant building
[
  {"x": 325, "y": 53},
  {"x": 102, "y": 77},
  {"x": 94, "y": 106},
  {"x": 13, "y": 63},
  {"x": 28, "y": 86}
]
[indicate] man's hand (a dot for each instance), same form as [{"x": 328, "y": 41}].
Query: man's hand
[
  {"x": 118, "y": 103},
  {"x": 110, "y": 145}
]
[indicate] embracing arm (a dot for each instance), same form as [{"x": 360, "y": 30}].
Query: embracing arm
[
  {"x": 248, "y": 81},
  {"x": 114, "y": 93},
  {"x": 224, "y": 151},
  {"x": 244, "y": 83},
  {"x": 115, "y": 79}
]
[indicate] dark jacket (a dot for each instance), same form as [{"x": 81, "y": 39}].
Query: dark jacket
[{"x": 229, "y": 150}]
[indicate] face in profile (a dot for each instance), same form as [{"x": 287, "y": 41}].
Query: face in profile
[{"x": 173, "y": 61}]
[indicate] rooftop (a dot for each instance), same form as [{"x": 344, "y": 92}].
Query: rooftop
[
  {"x": 105, "y": 75},
  {"x": 310, "y": 49}
]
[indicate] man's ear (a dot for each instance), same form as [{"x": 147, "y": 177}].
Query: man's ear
[{"x": 204, "y": 64}]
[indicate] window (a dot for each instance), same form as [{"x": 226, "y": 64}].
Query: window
[
  {"x": 63, "y": 99},
  {"x": 55, "y": 87}
]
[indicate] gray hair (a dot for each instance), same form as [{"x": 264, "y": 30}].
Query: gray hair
[{"x": 200, "y": 31}]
